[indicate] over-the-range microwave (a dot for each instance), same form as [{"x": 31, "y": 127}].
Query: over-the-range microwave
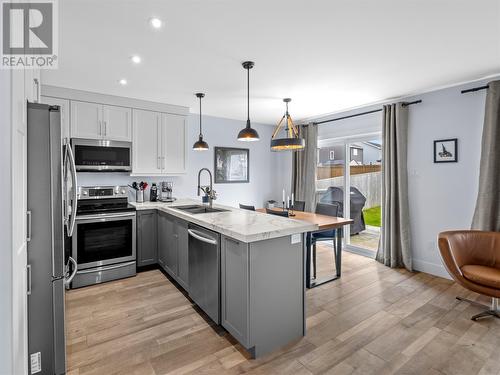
[{"x": 99, "y": 155}]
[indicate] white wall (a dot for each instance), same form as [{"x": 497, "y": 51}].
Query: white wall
[
  {"x": 263, "y": 185},
  {"x": 5, "y": 226}
]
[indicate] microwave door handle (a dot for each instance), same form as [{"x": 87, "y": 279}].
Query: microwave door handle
[{"x": 74, "y": 190}]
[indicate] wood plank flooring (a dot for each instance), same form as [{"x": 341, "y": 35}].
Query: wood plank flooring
[{"x": 374, "y": 320}]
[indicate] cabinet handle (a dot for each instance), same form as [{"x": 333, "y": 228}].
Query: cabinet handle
[{"x": 37, "y": 84}]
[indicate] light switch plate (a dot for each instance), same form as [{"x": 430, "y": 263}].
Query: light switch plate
[{"x": 296, "y": 238}]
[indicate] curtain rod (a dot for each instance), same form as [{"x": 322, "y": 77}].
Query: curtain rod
[
  {"x": 474, "y": 89},
  {"x": 405, "y": 104}
]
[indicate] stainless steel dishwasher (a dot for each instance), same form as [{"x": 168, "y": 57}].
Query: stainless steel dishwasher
[{"x": 204, "y": 270}]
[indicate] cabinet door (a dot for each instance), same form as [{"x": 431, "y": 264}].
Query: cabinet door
[
  {"x": 162, "y": 238},
  {"x": 147, "y": 246},
  {"x": 182, "y": 254},
  {"x": 86, "y": 120},
  {"x": 64, "y": 105},
  {"x": 171, "y": 246},
  {"x": 117, "y": 123},
  {"x": 235, "y": 288},
  {"x": 174, "y": 144},
  {"x": 146, "y": 142}
]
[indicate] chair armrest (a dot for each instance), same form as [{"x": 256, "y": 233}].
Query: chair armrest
[{"x": 448, "y": 259}]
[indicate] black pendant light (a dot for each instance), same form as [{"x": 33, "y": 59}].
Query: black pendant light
[
  {"x": 248, "y": 134},
  {"x": 200, "y": 144},
  {"x": 292, "y": 141}
]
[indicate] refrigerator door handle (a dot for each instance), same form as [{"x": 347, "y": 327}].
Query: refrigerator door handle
[
  {"x": 71, "y": 219},
  {"x": 69, "y": 279},
  {"x": 28, "y": 226},
  {"x": 28, "y": 289}
]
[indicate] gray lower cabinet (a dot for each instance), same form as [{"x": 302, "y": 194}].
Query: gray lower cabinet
[
  {"x": 170, "y": 249},
  {"x": 147, "y": 245},
  {"x": 173, "y": 247},
  {"x": 181, "y": 228},
  {"x": 162, "y": 238},
  {"x": 263, "y": 292},
  {"x": 235, "y": 288}
]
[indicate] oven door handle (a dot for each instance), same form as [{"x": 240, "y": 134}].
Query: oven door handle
[
  {"x": 105, "y": 216},
  {"x": 106, "y": 268},
  {"x": 68, "y": 280},
  {"x": 71, "y": 220}
]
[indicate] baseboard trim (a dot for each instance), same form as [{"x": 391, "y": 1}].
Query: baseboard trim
[{"x": 431, "y": 268}]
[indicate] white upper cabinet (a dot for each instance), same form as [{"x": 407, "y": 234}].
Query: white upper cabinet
[
  {"x": 117, "y": 123},
  {"x": 98, "y": 121},
  {"x": 64, "y": 108},
  {"x": 174, "y": 144},
  {"x": 159, "y": 143},
  {"x": 86, "y": 120},
  {"x": 146, "y": 143}
]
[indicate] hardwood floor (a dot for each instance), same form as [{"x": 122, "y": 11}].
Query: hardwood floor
[{"x": 374, "y": 320}]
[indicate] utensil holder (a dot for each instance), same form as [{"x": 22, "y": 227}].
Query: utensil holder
[{"x": 139, "y": 196}]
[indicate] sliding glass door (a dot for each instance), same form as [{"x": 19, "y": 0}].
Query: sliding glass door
[{"x": 350, "y": 175}]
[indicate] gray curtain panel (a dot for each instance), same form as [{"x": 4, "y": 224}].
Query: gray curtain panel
[
  {"x": 487, "y": 212},
  {"x": 304, "y": 167},
  {"x": 395, "y": 246}
]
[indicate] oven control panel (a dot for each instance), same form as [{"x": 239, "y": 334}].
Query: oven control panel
[{"x": 102, "y": 192}]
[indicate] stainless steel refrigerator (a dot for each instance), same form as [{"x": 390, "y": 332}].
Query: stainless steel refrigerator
[{"x": 51, "y": 188}]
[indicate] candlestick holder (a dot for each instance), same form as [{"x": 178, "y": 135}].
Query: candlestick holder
[{"x": 290, "y": 211}]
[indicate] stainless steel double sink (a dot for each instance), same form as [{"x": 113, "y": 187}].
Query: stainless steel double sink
[{"x": 198, "y": 209}]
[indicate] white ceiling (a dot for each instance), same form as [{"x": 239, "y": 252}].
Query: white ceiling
[{"x": 327, "y": 55}]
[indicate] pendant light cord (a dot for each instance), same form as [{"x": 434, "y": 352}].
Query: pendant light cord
[
  {"x": 200, "y": 118},
  {"x": 248, "y": 97}
]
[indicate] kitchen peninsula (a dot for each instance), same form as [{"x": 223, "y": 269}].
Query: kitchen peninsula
[{"x": 252, "y": 283}]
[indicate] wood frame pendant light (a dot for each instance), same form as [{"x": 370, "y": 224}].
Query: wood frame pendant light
[
  {"x": 292, "y": 141},
  {"x": 200, "y": 144}
]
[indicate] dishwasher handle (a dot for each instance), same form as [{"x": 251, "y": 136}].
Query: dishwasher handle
[{"x": 200, "y": 237}]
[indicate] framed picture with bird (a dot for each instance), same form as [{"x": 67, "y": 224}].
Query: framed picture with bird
[{"x": 446, "y": 150}]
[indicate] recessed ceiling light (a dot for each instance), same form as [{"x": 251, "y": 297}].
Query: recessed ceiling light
[
  {"x": 122, "y": 82},
  {"x": 156, "y": 22},
  {"x": 136, "y": 59}
]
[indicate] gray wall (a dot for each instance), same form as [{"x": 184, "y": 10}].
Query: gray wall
[
  {"x": 5, "y": 226},
  {"x": 442, "y": 196},
  {"x": 263, "y": 183}
]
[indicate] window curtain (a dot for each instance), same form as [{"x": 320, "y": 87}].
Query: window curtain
[
  {"x": 395, "y": 246},
  {"x": 304, "y": 167},
  {"x": 487, "y": 212}
]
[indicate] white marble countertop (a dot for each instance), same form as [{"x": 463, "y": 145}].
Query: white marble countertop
[{"x": 242, "y": 225}]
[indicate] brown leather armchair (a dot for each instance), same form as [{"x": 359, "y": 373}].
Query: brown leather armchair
[{"x": 472, "y": 258}]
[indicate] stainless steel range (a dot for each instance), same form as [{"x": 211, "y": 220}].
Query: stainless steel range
[{"x": 104, "y": 239}]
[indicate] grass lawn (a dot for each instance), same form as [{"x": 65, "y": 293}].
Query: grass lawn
[{"x": 372, "y": 216}]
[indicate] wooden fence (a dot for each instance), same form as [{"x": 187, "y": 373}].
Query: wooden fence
[{"x": 338, "y": 170}]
